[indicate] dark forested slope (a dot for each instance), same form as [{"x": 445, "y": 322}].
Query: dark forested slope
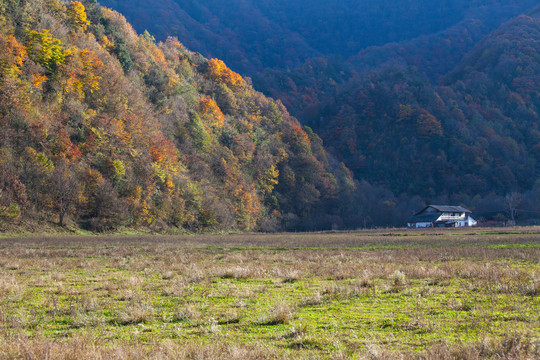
[
  {"x": 474, "y": 132},
  {"x": 102, "y": 128},
  {"x": 252, "y": 35}
]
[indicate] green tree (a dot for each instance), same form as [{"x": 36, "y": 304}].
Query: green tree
[
  {"x": 123, "y": 55},
  {"x": 198, "y": 132}
]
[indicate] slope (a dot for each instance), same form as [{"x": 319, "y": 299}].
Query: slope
[
  {"x": 103, "y": 128},
  {"x": 474, "y": 134}
]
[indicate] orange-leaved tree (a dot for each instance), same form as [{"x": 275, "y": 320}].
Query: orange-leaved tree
[
  {"x": 82, "y": 68},
  {"x": 217, "y": 70},
  {"x": 210, "y": 112},
  {"x": 428, "y": 125},
  {"x": 12, "y": 55},
  {"x": 164, "y": 158},
  {"x": 247, "y": 205}
]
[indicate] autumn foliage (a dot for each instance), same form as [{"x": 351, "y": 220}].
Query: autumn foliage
[
  {"x": 12, "y": 55},
  {"x": 104, "y": 129},
  {"x": 218, "y": 71},
  {"x": 211, "y": 111},
  {"x": 77, "y": 15}
]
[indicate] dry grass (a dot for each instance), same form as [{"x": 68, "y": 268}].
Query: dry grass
[
  {"x": 94, "y": 349},
  {"x": 510, "y": 347},
  {"x": 279, "y": 313},
  {"x": 373, "y": 295}
]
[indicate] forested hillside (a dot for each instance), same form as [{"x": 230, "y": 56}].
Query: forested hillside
[
  {"x": 103, "y": 128},
  {"x": 474, "y": 133},
  {"x": 424, "y": 101}
]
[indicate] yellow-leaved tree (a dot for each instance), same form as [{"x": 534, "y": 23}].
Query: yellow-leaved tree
[
  {"x": 77, "y": 15},
  {"x": 45, "y": 50}
]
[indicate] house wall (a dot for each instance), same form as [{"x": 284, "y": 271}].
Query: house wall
[
  {"x": 420, "y": 225},
  {"x": 469, "y": 221},
  {"x": 452, "y": 216},
  {"x": 466, "y": 222}
]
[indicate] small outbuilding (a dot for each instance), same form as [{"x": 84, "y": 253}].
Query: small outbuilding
[{"x": 441, "y": 216}]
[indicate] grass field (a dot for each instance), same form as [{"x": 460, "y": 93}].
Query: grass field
[{"x": 370, "y": 294}]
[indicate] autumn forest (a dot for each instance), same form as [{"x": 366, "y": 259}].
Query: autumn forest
[
  {"x": 103, "y": 128},
  {"x": 106, "y": 127}
]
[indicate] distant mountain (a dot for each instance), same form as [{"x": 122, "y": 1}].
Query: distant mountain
[
  {"x": 253, "y": 35},
  {"x": 470, "y": 133},
  {"x": 431, "y": 54}
]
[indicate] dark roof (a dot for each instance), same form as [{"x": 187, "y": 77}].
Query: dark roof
[
  {"x": 446, "y": 208},
  {"x": 423, "y": 218}
]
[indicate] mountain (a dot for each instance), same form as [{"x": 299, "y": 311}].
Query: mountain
[
  {"x": 103, "y": 128},
  {"x": 474, "y": 132},
  {"x": 426, "y": 101},
  {"x": 253, "y": 35}
]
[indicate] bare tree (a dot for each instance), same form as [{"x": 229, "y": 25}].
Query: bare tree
[
  {"x": 3, "y": 207},
  {"x": 512, "y": 201},
  {"x": 64, "y": 190}
]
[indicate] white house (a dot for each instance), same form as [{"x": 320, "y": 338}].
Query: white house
[{"x": 441, "y": 216}]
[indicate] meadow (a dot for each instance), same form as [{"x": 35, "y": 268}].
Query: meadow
[{"x": 379, "y": 294}]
